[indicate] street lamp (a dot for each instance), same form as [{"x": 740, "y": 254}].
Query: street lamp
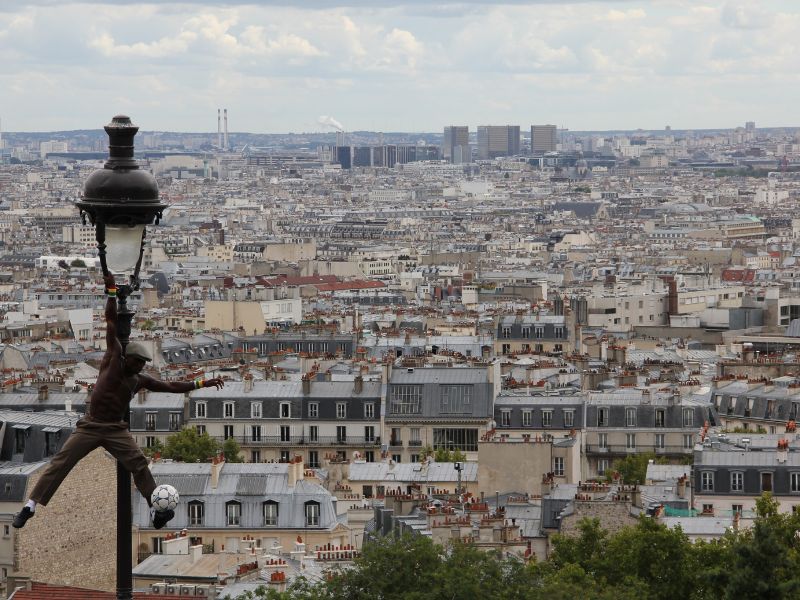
[{"x": 120, "y": 201}]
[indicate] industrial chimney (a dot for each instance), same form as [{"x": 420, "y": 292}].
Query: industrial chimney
[
  {"x": 219, "y": 128},
  {"x": 225, "y": 141}
]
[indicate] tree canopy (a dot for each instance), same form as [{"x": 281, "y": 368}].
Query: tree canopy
[
  {"x": 188, "y": 445},
  {"x": 646, "y": 561}
]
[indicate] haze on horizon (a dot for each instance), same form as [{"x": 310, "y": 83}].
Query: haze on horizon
[{"x": 399, "y": 66}]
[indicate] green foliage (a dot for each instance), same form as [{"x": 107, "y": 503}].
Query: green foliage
[
  {"x": 189, "y": 446},
  {"x": 646, "y": 561},
  {"x": 78, "y": 264},
  {"x": 231, "y": 449},
  {"x": 633, "y": 467},
  {"x": 445, "y": 455}
]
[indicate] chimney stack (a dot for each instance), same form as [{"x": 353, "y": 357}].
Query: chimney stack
[
  {"x": 44, "y": 393},
  {"x": 225, "y": 144},
  {"x": 219, "y": 128},
  {"x": 358, "y": 386},
  {"x": 306, "y": 385}
]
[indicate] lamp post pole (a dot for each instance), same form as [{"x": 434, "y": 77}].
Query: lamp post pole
[{"x": 120, "y": 201}]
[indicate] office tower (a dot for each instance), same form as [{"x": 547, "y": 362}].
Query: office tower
[
  {"x": 497, "y": 140},
  {"x": 543, "y": 138},
  {"x": 344, "y": 156},
  {"x": 455, "y": 144},
  {"x": 750, "y": 126}
]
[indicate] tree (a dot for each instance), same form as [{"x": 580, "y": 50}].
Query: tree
[
  {"x": 78, "y": 263},
  {"x": 231, "y": 449},
  {"x": 189, "y": 446},
  {"x": 633, "y": 467}
]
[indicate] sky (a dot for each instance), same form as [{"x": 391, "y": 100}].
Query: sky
[{"x": 399, "y": 65}]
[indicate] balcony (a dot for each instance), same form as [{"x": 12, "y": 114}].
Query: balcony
[
  {"x": 299, "y": 440},
  {"x": 396, "y": 443},
  {"x": 622, "y": 449},
  {"x": 415, "y": 443}
]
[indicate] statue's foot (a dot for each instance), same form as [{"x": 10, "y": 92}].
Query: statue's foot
[{"x": 22, "y": 517}]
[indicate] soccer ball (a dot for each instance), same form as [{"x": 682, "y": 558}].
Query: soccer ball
[{"x": 164, "y": 497}]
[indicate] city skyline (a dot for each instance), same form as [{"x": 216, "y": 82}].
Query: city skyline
[{"x": 587, "y": 66}]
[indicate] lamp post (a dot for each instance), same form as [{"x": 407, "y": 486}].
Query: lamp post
[{"x": 120, "y": 201}]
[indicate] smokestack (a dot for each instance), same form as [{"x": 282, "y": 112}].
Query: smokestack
[
  {"x": 225, "y": 142},
  {"x": 219, "y": 128}
]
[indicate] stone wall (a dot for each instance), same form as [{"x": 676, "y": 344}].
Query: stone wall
[
  {"x": 613, "y": 516},
  {"x": 72, "y": 540}
]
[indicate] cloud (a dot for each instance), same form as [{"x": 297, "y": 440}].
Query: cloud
[
  {"x": 167, "y": 46},
  {"x": 741, "y": 15}
]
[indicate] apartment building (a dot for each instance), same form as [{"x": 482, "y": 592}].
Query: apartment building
[
  {"x": 532, "y": 334},
  {"x": 446, "y": 408},
  {"x": 631, "y": 421}
]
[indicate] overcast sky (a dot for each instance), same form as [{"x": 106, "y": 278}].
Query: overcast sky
[{"x": 399, "y": 65}]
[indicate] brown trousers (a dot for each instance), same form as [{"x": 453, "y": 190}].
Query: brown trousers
[{"x": 87, "y": 436}]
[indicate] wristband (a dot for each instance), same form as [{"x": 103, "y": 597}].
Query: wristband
[
  {"x": 199, "y": 382},
  {"x": 111, "y": 292}
]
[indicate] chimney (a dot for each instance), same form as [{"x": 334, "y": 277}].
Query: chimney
[
  {"x": 196, "y": 552},
  {"x": 295, "y": 471},
  {"x": 142, "y": 396},
  {"x": 216, "y": 468},
  {"x": 219, "y": 128},
  {"x": 44, "y": 393},
  {"x": 682, "y": 486},
  {"x": 359, "y": 384},
  {"x": 306, "y": 385},
  {"x": 225, "y": 142},
  {"x": 248, "y": 383}
]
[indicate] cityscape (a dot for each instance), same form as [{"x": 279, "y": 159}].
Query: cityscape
[{"x": 495, "y": 357}]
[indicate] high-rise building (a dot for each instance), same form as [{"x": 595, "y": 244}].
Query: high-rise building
[
  {"x": 455, "y": 145},
  {"x": 497, "y": 140},
  {"x": 543, "y": 138}
]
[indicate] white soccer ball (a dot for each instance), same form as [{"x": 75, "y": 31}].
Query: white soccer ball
[{"x": 164, "y": 497}]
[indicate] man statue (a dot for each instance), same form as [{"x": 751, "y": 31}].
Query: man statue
[{"x": 118, "y": 382}]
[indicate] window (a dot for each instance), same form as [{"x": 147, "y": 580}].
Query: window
[
  {"x": 688, "y": 441},
  {"x": 707, "y": 481},
  {"x": 737, "y": 481},
  {"x": 196, "y": 512},
  {"x": 369, "y": 410},
  {"x": 708, "y": 509},
  {"x": 341, "y": 410},
  {"x": 51, "y": 444},
  {"x": 602, "y": 416},
  {"x": 766, "y": 481},
  {"x": 456, "y": 399},
  {"x": 416, "y": 438},
  {"x": 233, "y": 513},
  {"x": 286, "y": 433},
  {"x": 558, "y": 466},
  {"x": 398, "y": 458},
  {"x": 150, "y": 421},
  {"x": 255, "y": 410},
  {"x": 312, "y": 514},
  {"x": 406, "y": 400},
  {"x": 341, "y": 434},
  {"x": 158, "y": 545},
  {"x": 688, "y": 417},
  {"x": 661, "y": 417},
  {"x": 174, "y": 421},
  {"x": 313, "y": 459},
  {"x": 505, "y": 349},
  {"x": 526, "y": 331},
  {"x": 738, "y": 509},
  {"x": 270, "y": 510},
  {"x": 284, "y": 456},
  {"x": 227, "y": 431},
  {"x": 200, "y": 429},
  {"x": 19, "y": 440},
  {"x": 505, "y": 418},
  {"x": 569, "y": 418},
  {"x": 547, "y": 417},
  {"x": 200, "y": 410},
  {"x": 313, "y": 410},
  {"x": 227, "y": 410},
  {"x": 465, "y": 440},
  {"x": 527, "y": 418},
  {"x": 255, "y": 456},
  {"x": 602, "y": 466},
  {"x": 369, "y": 433},
  {"x": 286, "y": 410},
  {"x": 255, "y": 433},
  {"x": 660, "y": 441},
  {"x": 602, "y": 440},
  {"x": 630, "y": 417},
  {"x": 506, "y": 332},
  {"x": 369, "y": 455},
  {"x": 630, "y": 441}
]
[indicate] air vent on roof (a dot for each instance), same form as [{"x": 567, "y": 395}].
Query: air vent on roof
[{"x": 410, "y": 370}]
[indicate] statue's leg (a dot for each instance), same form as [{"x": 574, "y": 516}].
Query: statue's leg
[{"x": 86, "y": 437}]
